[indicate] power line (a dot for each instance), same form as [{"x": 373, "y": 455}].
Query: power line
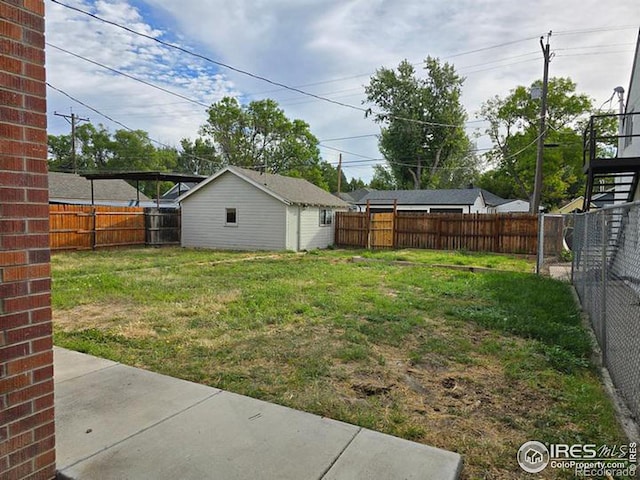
[
  {"x": 250, "y": 74},
  {"x": 164, "y": 145},
  {"x": 124, "y": 74}
]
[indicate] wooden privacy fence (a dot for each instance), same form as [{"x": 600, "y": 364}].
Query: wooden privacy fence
[
  {"x": 499, "y": 233},
  {"x": 85, "y": 227}
]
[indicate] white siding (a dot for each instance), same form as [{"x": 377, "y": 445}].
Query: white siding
[
  {"x": 261, "y": 219},
  {"x": 516, "y": 206},
  {"x": 312, "y": 234}
]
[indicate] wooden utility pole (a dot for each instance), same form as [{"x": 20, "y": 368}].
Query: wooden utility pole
[
  {"x": 72, "y": 119},
  {"x": 537, "y": 187},
  {"x": 339, "y": 173}
]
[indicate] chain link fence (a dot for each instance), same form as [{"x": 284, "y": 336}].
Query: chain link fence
[{"x": 606, "y": 275}]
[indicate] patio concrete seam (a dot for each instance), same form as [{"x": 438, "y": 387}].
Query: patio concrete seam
[
  {"x": 328, "y": 469},
  {"x": 153, "y": 425},
  {"x": 88, "y": 373}
]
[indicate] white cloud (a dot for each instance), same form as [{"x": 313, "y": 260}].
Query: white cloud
[{"x": 308, "y": 42}]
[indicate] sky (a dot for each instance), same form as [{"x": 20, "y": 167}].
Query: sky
[{"x": 328, "y": 48}]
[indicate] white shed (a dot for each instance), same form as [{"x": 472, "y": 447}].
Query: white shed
[{"x": 241, "y": 209}]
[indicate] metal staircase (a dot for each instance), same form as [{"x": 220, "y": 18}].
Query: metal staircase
[{"x": 608, "y": 167}]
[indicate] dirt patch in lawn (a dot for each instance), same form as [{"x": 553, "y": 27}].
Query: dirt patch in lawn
[{"x": 124, "y": 318}]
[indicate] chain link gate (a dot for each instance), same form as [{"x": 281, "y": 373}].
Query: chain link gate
[{"x": 606, "y": 275}]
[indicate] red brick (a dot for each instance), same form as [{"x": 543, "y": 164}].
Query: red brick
[
  {"x": 13, "y": 99},
  {"x": 30, "y": 363},
  {"x": 15, "y": 382},
  {"x": 42, "y": 344},
  {"x": 17, "y": 289},
  {"x": 43, "y": 402},
  {"x": 13, "y": 258},
  {"x": 30, "y": 451},
  {"x": 39, "y": 286},
  {"x": 4, "y": 433},
  {"x": 12, "y": 352},
  {"x": 4, "y": 464},
  {"x": 29, "y": 423},
  {"x": 22, "y": 50},
  {"x": 19, "y": 242},
  {"x": 20, "y": 472},
  {"x": 16, "y": 179},
  {"x": 16, "y": 443},
  {"x": 12, "y": 274},
  {"x": 11, "y": 131},
  {"x": 43, "y": 374},
  {"x": 44, "y": 431},
  {"x": 20, "y": 304},
  {"x": 15, "y": 164},
  {"x": 13, "y": 226},
  {"x": 41, "y": 390},
  {"x": 13, "y": 195},
  {"x": 24, "y": 18},
  {"x": 38, "y": 196},
  {"x": 12, "y": 414},
  {"x": 39, "y": 256},
  {"x": 35, "y": 104},
  {"x": 44, "y": 459},
  {"x": 26, "y": 210},
  {"x": 39, "y": 165},
  {"x": 14, "y": 320},
  {"x": 24, "y": 334},
  {"x": 8, "y": 64},
  {"x": 38, "y": 226},
  {"x": 46, "y": 473},
  {"x": 35, "y": 135},
  {"x": 37, "y": 120},
  {"x": 40, "y": 315},
  {"x": 35, "y": 6},
  {"x": 8, "y": 114},
  {"x": 34, "y": 39},
  {"x": 10, "y": 30}
]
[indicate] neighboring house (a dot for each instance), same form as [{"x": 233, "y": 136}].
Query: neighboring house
[
  {"x": 69, "y": 188},
  {"x": 245, "y": 210},
  {"x": 177, "y": 190},
  {"x": 463, "y": 200},
  {"x": 354, "y": 196},
  {"x": 629, "y": 144}
]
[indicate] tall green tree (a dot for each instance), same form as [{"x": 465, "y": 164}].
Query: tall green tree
[
  {"x": 97, "y": 149},
  {"x": 514, "y": 129},
  {"x": 260, "y": 136},
  {"x": 422, "y": 124}
]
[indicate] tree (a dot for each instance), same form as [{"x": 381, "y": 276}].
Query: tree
[
  {"x": 260, "y": 136},
  {"x": 422, "y": 134},
  {"x": 383, "y": 179},
  {"x": 513, "y": 129},
  {"x": 99, "y": 150}
]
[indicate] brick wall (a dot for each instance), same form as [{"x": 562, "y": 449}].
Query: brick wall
[{"x": 26, "y": 359}]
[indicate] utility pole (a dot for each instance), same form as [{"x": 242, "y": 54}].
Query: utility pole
[
  {"x": 339, "y": 173},
  {"x": 537, "y": 188},
  {"x": 72, "y": 119}
]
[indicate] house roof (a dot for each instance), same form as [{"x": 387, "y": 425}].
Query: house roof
[
  {"x": 289, "y": 190},
  {"x": 460, "y": 196},
  {"x": 355, "y": 195},
  {"x": 72, "y": 187}
]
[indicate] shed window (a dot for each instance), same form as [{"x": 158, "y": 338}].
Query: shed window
[
  {"x": 326, "y": 216},
  {"x": 231, "y": 217}
]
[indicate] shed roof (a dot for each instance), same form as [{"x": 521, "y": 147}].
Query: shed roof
[
  {"x": 69, "y": 186},
  {"x": 297, "y": 191}
]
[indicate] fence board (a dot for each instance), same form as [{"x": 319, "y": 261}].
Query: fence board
[
  {"x": 83, "y": 227},
  {"x": 499, "y": 233}
]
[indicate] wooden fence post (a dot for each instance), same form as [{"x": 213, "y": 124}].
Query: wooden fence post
[
  {"x": 394, "y": 232},
  {"x": 368, "y": 225}
]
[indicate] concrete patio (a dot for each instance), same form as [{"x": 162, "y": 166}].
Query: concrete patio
[{"x": 120, "y": 422}]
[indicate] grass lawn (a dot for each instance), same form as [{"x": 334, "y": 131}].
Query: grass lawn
[{"x": 477, "y": 363}]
